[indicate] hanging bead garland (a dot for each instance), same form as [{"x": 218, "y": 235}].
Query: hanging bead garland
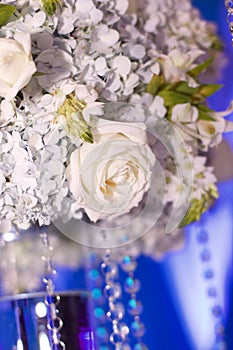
[
  {"x": 131, "y": 287},
  {"x": 52, "y": 300},
  {"x": 229, "y": 8},
  {"x": 113, "y": 292},
  {"x": 212, "y": 292},
  {"x": 95, "y": 285}
]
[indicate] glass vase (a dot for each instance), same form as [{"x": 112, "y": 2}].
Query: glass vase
[{"x": 25, "y": 300}]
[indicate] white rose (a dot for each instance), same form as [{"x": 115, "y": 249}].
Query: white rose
[
  {"x": 16, "y": 64},
  {"x": 110, "y": 177}
]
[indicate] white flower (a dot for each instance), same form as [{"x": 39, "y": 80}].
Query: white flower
[
  {"x": 6, "y": 112},
  {"x": 157, "y": 107},
  {"x": 177, "y": 63},
  {"x": 184, "y": 113},
  {"x": 110, "y": 177},
  {"x": 104, "y": 38},
  {"x": 56, "y": 64},
  {"x": 16, "y": 64}
]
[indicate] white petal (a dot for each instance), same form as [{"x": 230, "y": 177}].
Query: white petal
[
  {"x": 113, "y": 84},
  {"x": 55, "y": 167},
  {"x": 138, "y": 51},
  {"x": 132, "y": 81},
  {"x": 39, "y": 19},
  {"x": 121, "y": 65},
  {"x": 121, "y": 6},
  {"x": 84, "y": 5},
  {"x": 35, "y": 141},
  {"x": 96, "y": 16},
  {"x": 52, "y": 138},
  {"x": 100, "y": 64},
  {"x": 44, "y": 41}
]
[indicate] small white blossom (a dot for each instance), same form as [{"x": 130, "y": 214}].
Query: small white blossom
[{"x": 104, "y": 39}]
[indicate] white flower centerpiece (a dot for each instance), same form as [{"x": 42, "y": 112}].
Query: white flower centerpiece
[{"x": 60, "y": 61}]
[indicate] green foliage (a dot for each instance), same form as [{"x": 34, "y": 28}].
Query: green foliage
[
  {"x": 180, "y": 92},
  {"x": 195, "y": 72},
  {"x": 183, "y": 88},
  {"x": 50, "y": 6},
  {"x": 6, "y": 11},
  {"x": 74, "y": 123},
  {"x": 207, "y": 90},
  {"x": 156, "y": 82},
  {"x": 172, "y": 98},
  {"x": 198, "y": 207},
  {"x": 204, "y": 116}
]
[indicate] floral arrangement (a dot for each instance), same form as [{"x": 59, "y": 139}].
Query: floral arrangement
[{"x": 60, "y": 61}]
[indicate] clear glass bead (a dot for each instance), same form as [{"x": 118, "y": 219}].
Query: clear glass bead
[
  {"x": 220, "y": 346},
  {"x": 229, "y": 5},
  {"x": 117, "y": 338},
  {"x": 96, "y": 294},
  {"x": 212, "y": 292},
  {"x": 134, "y": 307},
  {"x": 104, "y": 347},
  {"x": 217, "y": 311},
  {"x": 140, "y": 346},
  {"x": 132, "y": 285},
  {"x": 109, "y": 269},
  {"x": 94, "y": 274},
  {"x": 107, "y": 255},
  {"x": 202, "y": 237},
  {"x": 209, "y": 273},
  {"x": 102, "y": 333},
  {"x": 220, "y": 330},
  {"x": 99, "y": 313},
  {"x": 205, "y": 255},
  {"x": 123, "y": 347},
  {"x": 138, "y": 328},
  {"x": 117, "y": 311},
  {"x": 113, "y": 290},
  {"x": 231, "y": 27},
  {"x": 47, "y": 252},
  {"x": 60, "y": 346},
  {"x": 128, "y": 264},
  {"x": 123, "y": 329}
]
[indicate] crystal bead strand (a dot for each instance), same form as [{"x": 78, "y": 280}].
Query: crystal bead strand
[
  {"x": 212, "y": 292},
  {"x": 229, "y": 8},
  {"x": 95, "y": 285},
  {"x": 131, "y": 287},
  {"x": 52, "y": 300},
  {"x": 113, "y": 292}
]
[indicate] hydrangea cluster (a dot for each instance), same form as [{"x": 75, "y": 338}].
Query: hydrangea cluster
[{"x": 69, "y": 57}]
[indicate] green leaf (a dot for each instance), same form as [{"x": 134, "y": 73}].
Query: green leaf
[
  {"x": 87, "y": 137},
  {"x": 6, "y": 11},
  {"x": 184, "y": 88},
  {"x": 38, "y": 74},
  {"x": 207, "y": 90},
  {"x": 214, "y": 191},
  {"x": 217, "y": 44},
  {"x": 155, "y": 83},
  {"x": 168, "y": 87},
  {"x": 200, "y": 68},
  {"x": 204, "y": 108},
  {"x": 171, "y": 98},
  {"x": 199, "y": 206},
  {"x": 205, "y": 116},
  {"x": 51, "y": 6}
]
